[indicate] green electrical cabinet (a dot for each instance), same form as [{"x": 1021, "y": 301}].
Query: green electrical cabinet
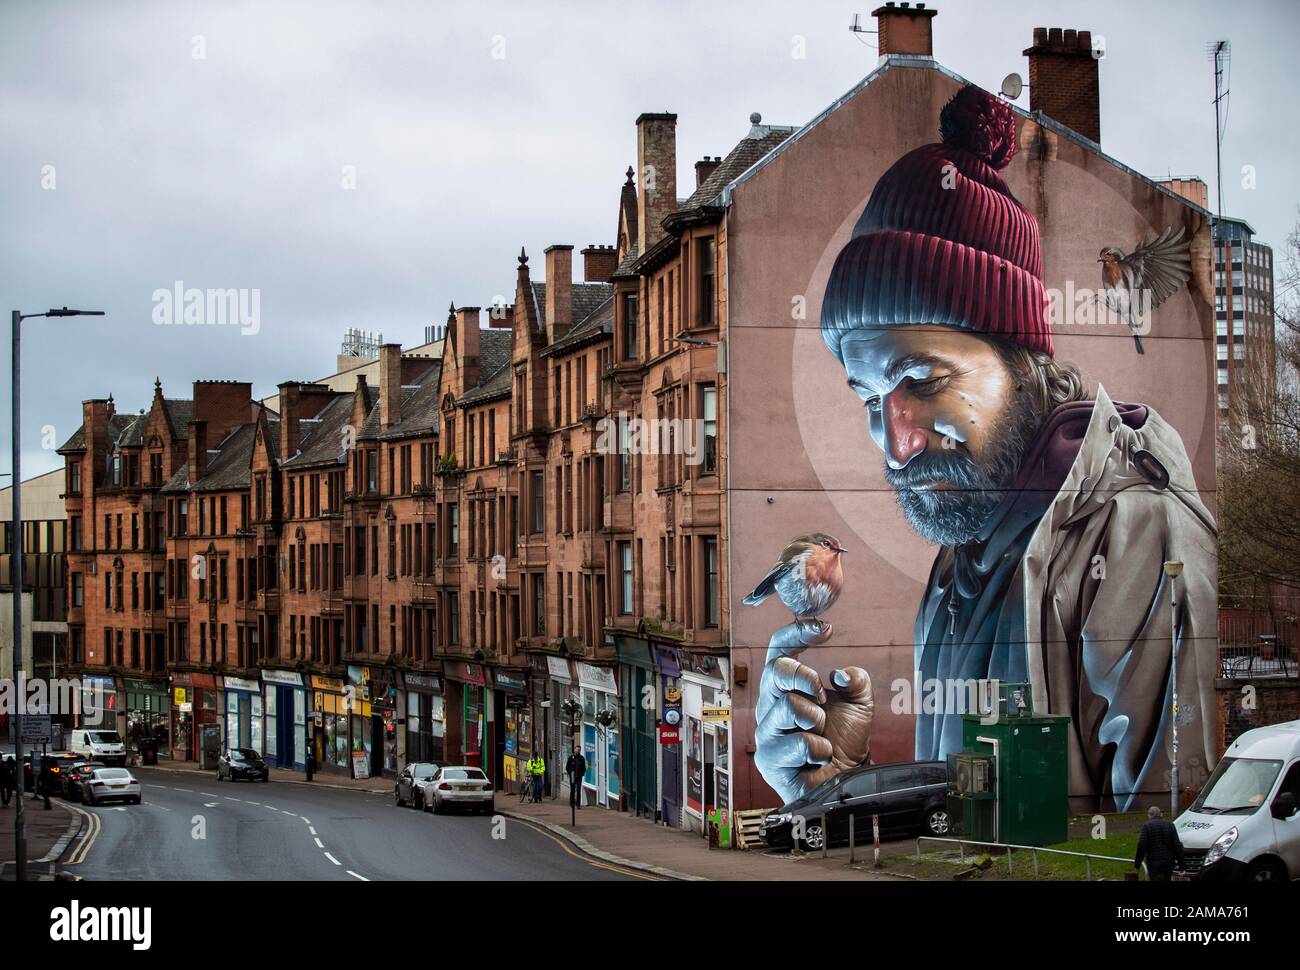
[{"x": 1029, "y": 778}]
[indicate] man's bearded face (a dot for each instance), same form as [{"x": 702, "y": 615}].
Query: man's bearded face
[{"x": 943, "y": 407}]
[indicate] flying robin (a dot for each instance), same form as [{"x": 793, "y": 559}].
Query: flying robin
[
  {"x": 1136, "y": 284},
  {"x": 807, "y": 577}
]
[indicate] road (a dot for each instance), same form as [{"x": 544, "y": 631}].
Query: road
[{"x": 189, "y": 827}]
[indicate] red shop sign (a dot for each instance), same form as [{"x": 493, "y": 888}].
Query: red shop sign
[{"x": 669, "y": 735}]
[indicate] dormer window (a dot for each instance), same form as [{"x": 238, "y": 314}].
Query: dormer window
[
  {"x": 117, "y": 469},
  {"x": 629, "y": 326}
]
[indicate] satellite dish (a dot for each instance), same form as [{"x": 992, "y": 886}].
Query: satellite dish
[{"x": 1012, "y": 86}]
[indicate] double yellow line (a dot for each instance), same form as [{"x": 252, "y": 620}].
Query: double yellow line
[
  {"x": 621, "y": 870},
  {"x": 86, "y": 839}
]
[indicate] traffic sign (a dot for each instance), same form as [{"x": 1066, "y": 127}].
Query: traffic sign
[{"x": 36, "y": 729}]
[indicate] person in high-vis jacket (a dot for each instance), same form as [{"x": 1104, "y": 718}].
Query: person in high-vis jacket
[{"x": 537, "y": 772}]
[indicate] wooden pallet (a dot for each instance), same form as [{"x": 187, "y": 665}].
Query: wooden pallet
[{"x": 746, "y": 827}]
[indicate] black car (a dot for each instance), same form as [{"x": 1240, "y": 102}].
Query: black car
[
  {"x": 52, "y": 769},
  {"x": 242, "y": 763},
  {"x": 909, "y": 796},
  {"x": 73, "y": 775}
]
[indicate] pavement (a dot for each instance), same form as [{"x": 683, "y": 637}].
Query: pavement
[{"x": 49, "y": 833}]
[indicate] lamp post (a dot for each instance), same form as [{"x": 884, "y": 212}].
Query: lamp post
[
  {"x": 16, "y": 567},
  {"x": 1173, "y": 569}
]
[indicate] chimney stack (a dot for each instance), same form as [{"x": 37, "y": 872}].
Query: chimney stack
[
  {"x": 656, "y": 164},
  {"x": 467, "y": 344},
  {"x": 905, "y": 29},
  {"x": 298, "y": 401},
  {"x": 559, "y": 291},
  {"x": 198, "y": 457},
  {"x": 223, "y": 405},
  {"x": 1063, "y": 79},
  {"x": 390, "y": 385},
  {"x": 598, "y": 263},
  {"x": 706, "y": 167}
]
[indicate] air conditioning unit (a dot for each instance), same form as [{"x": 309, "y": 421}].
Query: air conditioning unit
[{"x": 970, "y": 773}]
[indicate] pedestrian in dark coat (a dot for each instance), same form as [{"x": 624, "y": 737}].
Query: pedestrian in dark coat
[{"x": 1159, "y": 845}]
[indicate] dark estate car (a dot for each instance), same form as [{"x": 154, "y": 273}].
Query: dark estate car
[
  {"x": 240, "y": 763},
  {"x": 909, "y": 797},
  {"x": 52, "y": 769},
  {"x": 413, "y": 784},
  {"x": 75, "y": 774}
]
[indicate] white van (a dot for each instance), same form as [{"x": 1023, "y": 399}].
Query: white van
[
  {"x": 1244, "y": 824},
  {"x": 105, "y": 747}
]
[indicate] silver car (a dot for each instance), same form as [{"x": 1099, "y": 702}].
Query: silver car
[
  {"x": 106, "y": 784},
  {"x": 461, "y": 786},
  {"x": 413, "y": 783}
]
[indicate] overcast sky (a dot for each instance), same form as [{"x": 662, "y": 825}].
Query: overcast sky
[{"x": 130, "y": 163}]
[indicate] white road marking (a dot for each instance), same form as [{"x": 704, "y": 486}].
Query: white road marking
[
  {"x": 289, "y": 813},
  {"x": 271, "y": 807},
  {"x": 229, "y": 799},
  {"x": 311, "y": 829},
  {"x": 320, "y": 844},
  {"x": 210, "y": 794},
  {"x": 211, "y": 804},
  {"x": 358, "y": 876},
  {"x": 188, "y": 791},
  {"x": 152, "y": 785},
  {"x": 305, "y": 819},
  {"x": 332, "y": 859},
  {"x": 258, "y": 804}
]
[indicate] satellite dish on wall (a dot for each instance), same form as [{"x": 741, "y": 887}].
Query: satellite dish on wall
[{"x": 1012, "y": 86}]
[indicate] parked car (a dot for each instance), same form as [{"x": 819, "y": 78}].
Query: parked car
[
  {"x": 413, "y": 784},
  {"x": 103, "y": 746},
  {"x": 909, "y": 796},
  {"x": 1245, "y": 824},
  {"x": 74, "y": 775},
  {"x": 106, "y": 784},
  {"x": 237, "y": 763},
  {"x": 461, "y": 786}
]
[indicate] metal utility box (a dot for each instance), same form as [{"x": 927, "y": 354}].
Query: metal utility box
[{"x": 1010, "y": 781}]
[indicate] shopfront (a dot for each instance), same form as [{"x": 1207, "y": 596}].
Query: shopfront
[
  {"x": 205, "y": 699},
  {"x": 384, "y": 689},
  {"x": 706, "y": 738},
  {"x": 639, "y": 739},
  {"x": 515, "y": 722},
  {"x": 101, "y": 705},
  {"x": 243, "y": 713},
  {"x": 329, "y": 732},
  {"x": 184, "y": 695},
  {"x": 148, "y": 715},
  {"x": 425, "y": 719},
  {"x": 284, "y": 700},
  {"x": 467, "y": 716},
  {"x": 600, "y": 744},
  {"x": 671, "y": 791}
]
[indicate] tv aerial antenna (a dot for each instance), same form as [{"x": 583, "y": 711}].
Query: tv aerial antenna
[{"x": 859, "y": 31}]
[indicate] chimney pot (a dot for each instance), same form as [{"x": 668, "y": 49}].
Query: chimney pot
[
  {"x": 559, "y": 291},
  {"x": 598, "y": 263}
]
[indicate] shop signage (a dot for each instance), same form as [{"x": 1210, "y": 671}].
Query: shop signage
[
  {"x": 509, "y": 681},
  {"x": 287, "y": 677},
  {"x": 559, "y": 669},
  {"x": 672, "y": 716},
  {"x": 715, "y": 714},
  {"x": 516, "y": 700},
  {"x": 242, "y": 683},
  {"x": 669, "y": 734},
  {"x": 360, "y": 764},
  {"x": 423, "y": 682},
  {"x": 178, "y": 696},
  {"x": 144, "y": 686},
  {"x": 332, "y": 684},
  {"x": 673, "y": 695},
  {"x": 466, "y": 672},
  {"x": 598, "y": 678}
]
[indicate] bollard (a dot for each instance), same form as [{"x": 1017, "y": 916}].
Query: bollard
[
  {"x": 853, "y": 841},
  {"x": 1009, "y": 871},
  {"x": 826, "y": 836},
  {"x": 875, "y": 832}
]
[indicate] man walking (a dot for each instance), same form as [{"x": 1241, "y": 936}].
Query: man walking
[
  {"x": 1159, "y": 844},
  {"x": 537, "y": 773},
  {"x": 575, "y": 768},
  {"x": 6, "y": 779}
]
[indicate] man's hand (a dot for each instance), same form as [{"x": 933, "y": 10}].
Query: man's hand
[{"x": 805, "y": 734}]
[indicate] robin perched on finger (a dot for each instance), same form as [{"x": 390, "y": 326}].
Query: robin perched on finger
[{"x": 807, "y": 578}]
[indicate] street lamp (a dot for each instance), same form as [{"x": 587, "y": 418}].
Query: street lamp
[
  {"x": 16, "y": 569},
  {"x": 1173, "y": 569}
]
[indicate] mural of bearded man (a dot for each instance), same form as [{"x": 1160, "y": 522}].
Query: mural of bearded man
[{"x": 1054, "y": 511}]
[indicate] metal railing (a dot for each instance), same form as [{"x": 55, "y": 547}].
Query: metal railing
[
  {"x": 1264, "y": 659},
  {"x": 1034, "y": 849}
]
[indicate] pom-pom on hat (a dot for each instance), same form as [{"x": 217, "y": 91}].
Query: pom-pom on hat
[{"x": 943, "y": 241}]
